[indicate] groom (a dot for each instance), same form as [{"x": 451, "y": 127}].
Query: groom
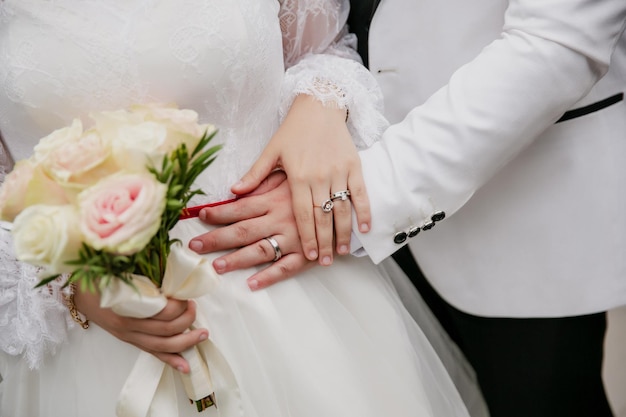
[
  {"x": 519, "y": 287},
  {"x": 510, "y": 123}
]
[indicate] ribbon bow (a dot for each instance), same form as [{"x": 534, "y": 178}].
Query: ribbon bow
[{"x": 149, "y": 389}]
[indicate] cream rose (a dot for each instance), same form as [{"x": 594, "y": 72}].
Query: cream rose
[
  {"x": 122, "y": 213},
  {"x": 135, "y": 143},
  {"x": 145, "y": 134},
  {"x": 47, "y": 236},
  {"x": 182, "y": 124},
  {"x": 27, "y": 185},
  {"x": 138, "y": 146},
  {"x": 54, "y": 140},
  {"x": 80, "y": 163}
]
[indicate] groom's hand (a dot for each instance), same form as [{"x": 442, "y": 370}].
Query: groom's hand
[{"x": 266, "y": 212}]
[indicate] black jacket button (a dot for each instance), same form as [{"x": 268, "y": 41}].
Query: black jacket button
[
  {"x": 399, "y": 237},
  {"x": 438, "y": 216},
  {"x": 428, "y": 225}
]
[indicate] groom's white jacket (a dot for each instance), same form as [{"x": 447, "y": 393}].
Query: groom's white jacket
[{"x": 535, "y": 210}]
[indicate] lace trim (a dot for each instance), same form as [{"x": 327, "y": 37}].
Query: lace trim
[
  {"x": 342, "y": 83},
  {"x": 321, "y": 60},
  {"x": 33, "y": 322}
]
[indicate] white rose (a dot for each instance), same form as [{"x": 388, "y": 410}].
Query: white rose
[
  {"x": 147, "y": 133},
  {"x": 121, "y": 213},
  {"x": 47, "y": 236},
  {"x": 54, "y": 140},
  {"x": 80, "y": 163},
  {"x": 135, "y": 143},
  {"x": 181, "y": 124},
  {"x": 138, "y": 146}
]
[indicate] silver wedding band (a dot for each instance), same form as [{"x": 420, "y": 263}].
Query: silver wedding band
[
  {"x": 277, "y": 252},
  {"x": 340, "y": 195}
]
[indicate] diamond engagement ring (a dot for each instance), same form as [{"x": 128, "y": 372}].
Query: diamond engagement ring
[
  {"x": 277, "y": 252},
  {"x": 340, "y": 195},
  {"x": 327, "y": 206}
]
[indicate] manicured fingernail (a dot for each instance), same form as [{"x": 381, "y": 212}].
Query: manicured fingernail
[
  {"x": 326, "y": 260},
  {"x": 203, "y": 336},
  {"x": 202, "y": 215},
  {"x": 219, "y": 265},
  {"x": 195, "y": 245},
  {"x": 253, "y": 284},
  {"x": 313, "y": 254},
  {"x": 180, "y": 369},
  {"x": 238, "y": 184},
  {"x": 343, "y": 249},
  {"x": 364, "y": 228}
]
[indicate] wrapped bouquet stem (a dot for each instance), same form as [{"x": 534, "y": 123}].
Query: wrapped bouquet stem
[
  {"x": 186, "y": 276},
  {"x": 98, "y": 205}
]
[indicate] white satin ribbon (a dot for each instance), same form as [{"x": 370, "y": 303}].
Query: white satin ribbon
[{"x": 149, "y": 390}]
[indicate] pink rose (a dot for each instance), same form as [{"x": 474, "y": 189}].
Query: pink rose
[{"x": 121, "y": 213}]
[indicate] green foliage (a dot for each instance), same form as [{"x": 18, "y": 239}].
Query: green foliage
[{"x": 178, "y": 171}]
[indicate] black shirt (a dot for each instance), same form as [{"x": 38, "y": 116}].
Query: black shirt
[{"x": 361, "y": 13}]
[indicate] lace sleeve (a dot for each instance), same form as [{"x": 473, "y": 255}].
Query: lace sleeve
[
  {"x": 321, "y": 60},
  {"x": 32, "y": 321}
]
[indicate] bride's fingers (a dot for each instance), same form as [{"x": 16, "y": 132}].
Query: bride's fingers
[
  {"x": 241, "y": 233},
  {"x": 324, "y": 226},
  {"x": 162, "y": 346},
  {"x": 258, "y": 253},
  {"x": 173, "y": 309},
  {"x": 280, "y": 270},
  {"x": 304, "y": 208},
  {"x": 342, "y": 219},
  {"x": 248, "y": 206},
  {"x": 271, "y": 182},
  {"x": 241, "y": 209},
  {"x": 263, "y": 166},
  {"x": 360, "y": 200},
  {"x": 174, "y": 360},
  {"x": 165, "y": 328}
]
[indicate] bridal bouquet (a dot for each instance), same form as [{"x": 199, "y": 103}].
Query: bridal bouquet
[{"x": 98, "y": 205}]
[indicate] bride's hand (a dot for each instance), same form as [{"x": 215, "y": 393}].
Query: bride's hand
[
  {"x": 314, "y": 147},
  {"x": 163, "y": 335},
  {"x": 266, "y": 212}
]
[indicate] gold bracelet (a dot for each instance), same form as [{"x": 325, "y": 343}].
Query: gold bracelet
[{"x": 69, "y": 302}]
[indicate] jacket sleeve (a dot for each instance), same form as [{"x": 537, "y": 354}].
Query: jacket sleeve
[{"x": 549, "y": 56}]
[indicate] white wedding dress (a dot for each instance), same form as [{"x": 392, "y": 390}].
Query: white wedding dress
[{"x": 334, "y": 341}]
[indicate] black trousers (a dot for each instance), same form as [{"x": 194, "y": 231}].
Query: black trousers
[{"x": 526, "y": 367}]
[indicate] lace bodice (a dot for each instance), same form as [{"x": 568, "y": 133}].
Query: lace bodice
[
  {"x": 226, "y": 59},
  {"x": 222, "y": 58}
]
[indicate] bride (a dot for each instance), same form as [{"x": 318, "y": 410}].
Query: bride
[{"x": 336, "y": 341}]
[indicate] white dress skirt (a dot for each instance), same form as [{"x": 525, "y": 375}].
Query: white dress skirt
[{"x": 334, "y": 341}]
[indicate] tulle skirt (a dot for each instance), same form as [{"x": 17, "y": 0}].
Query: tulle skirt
[{"x": 335, "y": 341}]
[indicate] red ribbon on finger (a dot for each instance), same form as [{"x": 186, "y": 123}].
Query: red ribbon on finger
[{"x": 191, "y": 212}]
